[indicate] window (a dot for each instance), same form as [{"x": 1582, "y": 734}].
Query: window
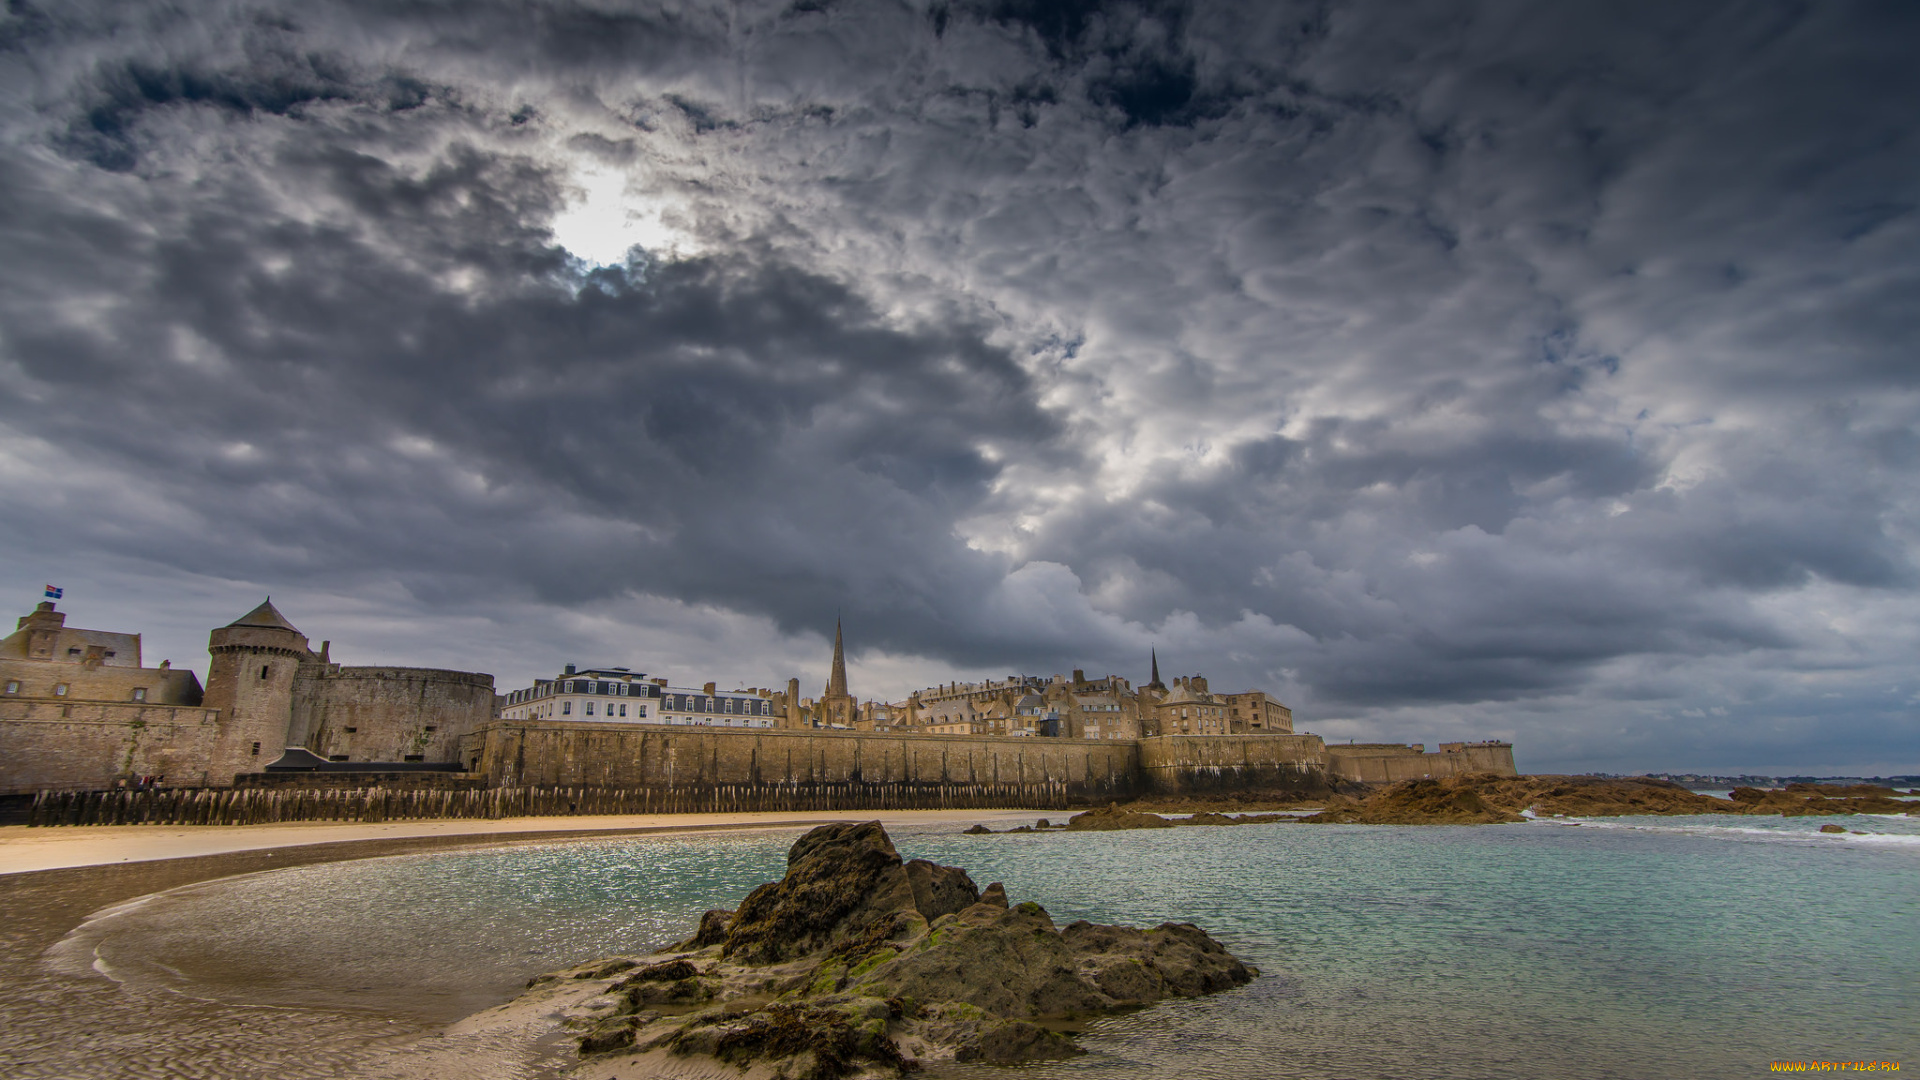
[
  {"x": 589, "y": 708},
  {"x": 639, "y": 710},
  {"x": 566, "y": 708},
  {"x": 623, "y": 709},
  {"x": 256, "y": 749},
  {"x": 139, "y": 693},
  {"x": 73, "y": 652},
  {"x": 13, "y": 686},
  {"x": 264, "y": 668},
  {"x": 60, "y": 691},
  {"x": 414, "y": 757},
  {"x": 336, "y": 757},
  {"x": 429, "y": 727},
  {"x": 350, "y": 730}
]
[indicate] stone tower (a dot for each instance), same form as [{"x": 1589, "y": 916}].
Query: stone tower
[
  {"x": 250, "y": 680},
  {"x": 837, "y": 706}
]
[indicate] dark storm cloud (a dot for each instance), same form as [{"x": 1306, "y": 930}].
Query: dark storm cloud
[
  {"x": 1541, "y": 371},
  {"x": 725, "y": 429}
]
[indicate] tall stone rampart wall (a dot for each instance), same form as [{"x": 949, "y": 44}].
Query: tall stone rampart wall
[
  {"x": 1207, "y": 764},
  {"x": 782, "y": 770},
  {"x": 387, "y": 713},
  {"x": 48, "y": 745},
  {"x": 1390, "y": 764}
]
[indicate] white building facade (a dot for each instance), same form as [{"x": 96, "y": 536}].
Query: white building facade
[{"x": 622, "y": 696}]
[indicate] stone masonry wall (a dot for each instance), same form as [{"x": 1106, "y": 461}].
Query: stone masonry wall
[
  {"x": 88, "y": 745},
  {"x": 1390, "y": 763},
  {"x": 1207, "y": 764},
  {"x": 388, "y": 713},
  {"x": 775, "y": 769}
]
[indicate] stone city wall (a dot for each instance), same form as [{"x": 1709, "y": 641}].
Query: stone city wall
[
  {"x": 387, "y": 713},
  {"x": 717, "y": 768},
  {"x": 48, "y": 745},
  {"x": 1390, "y": 763},
  {"x": 1213, "y": 764}
]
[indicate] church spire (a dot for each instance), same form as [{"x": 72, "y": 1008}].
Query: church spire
[
  {"x": 837, "y": 682},
  {"x": 1156, "y": 670}
]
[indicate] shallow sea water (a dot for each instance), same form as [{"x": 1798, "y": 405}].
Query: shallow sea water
[{"x": 1635, "y": 947}]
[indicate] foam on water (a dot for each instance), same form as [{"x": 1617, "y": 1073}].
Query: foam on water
[{"x": 1891, "y": 829}]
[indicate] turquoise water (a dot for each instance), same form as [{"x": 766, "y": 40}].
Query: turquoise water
[{"x": 1626, "y": 948}]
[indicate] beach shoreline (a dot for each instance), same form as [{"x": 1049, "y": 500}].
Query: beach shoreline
[
  {"x": 28, "y": 849},
  {"x": 53, "y": 879}
]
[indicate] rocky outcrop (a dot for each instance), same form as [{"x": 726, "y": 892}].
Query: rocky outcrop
[
  {"x": 1843, "y": 791},
  {"x": 1488, "y": 799},
  {"x": 1109, "y": 818},
  {"x": 1417, "y": 802},
  {"x": 857, "y": 963},
  {"x": 1113, "y": 817}
]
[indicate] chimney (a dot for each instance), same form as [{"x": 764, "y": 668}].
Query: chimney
[
  {"x": 569, "y": 670},
  {"x": 706, "y": 688}
]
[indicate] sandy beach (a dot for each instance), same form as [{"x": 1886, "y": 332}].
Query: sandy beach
[
  {"x": 24, "y": 849},
  {"x": 52, "y": 879}
]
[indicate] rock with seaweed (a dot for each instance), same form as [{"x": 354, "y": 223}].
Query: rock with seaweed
[
  {"x": 858, "y": 963},
  {"x": 1488, "y": 799}
]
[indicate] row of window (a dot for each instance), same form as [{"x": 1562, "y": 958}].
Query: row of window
[
  {"x": 718, "y": 704},
  {"x": 600, "y": 687},
  {"x": 566, "y": 709},
  {"x": 139, "y": 693}
]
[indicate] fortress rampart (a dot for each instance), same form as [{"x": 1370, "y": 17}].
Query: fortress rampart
[
  {"x": 1390, "y": 763},
  {"x": 540, "y": 768},
  {"x": 387, "y": 713},
  {"x": 784, "y": 770},
  {"x": 55, "y": 746}
]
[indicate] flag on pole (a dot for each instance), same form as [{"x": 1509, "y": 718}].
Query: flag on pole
[{"x": 54, "y": 592}]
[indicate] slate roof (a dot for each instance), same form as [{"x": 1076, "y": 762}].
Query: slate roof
[{"x": 267, "y": 616}]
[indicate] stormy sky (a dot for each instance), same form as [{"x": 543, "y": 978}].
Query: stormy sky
[{"x": 1453, "y": 370}]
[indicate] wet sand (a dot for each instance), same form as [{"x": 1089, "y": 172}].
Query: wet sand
[
  {"x": 62, "y": 1025},
  {"x": 24, "y": 849}
]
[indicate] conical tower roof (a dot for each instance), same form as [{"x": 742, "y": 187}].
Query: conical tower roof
[
  {"x": 837, "y": 682},
  {"x": 266, "y": 616}
]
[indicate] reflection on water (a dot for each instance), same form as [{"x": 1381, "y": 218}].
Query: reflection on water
[
  {"x": 427, "y": 937},
  {"x": 1632, "y": 947}
]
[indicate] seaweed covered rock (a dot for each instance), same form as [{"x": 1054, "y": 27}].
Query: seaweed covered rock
[
  {"x": 1417, "y": 802},
  {"x": 1486, "y": 799},
  {"x": 856, "y": 963},
  {"x": 840, "y": 879},
  {"x": 1110, "y": 817}
]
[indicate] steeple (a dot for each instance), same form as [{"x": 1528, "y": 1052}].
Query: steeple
[
  {"x": 837, "y": 682},
  {"x": 1155, "y": 682}
]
